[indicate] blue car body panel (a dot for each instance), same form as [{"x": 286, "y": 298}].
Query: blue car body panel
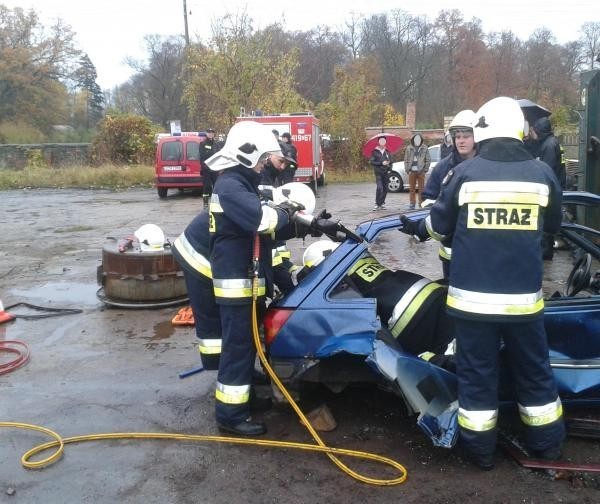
[{"x": 324, "y": 325}]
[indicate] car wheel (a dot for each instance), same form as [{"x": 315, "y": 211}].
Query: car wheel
[
  {"x": 394, "y": 183},
  {"x": 162, "y": 192},
  {"x": 321, "y": 180}
]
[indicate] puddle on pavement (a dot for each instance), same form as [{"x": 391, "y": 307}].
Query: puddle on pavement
[
  {"x": 53, "y": 293},
  {"x": 163, "y": 330}
]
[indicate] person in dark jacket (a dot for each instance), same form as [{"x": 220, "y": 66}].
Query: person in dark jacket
[
  {"x": 496, "y": 207},
  {"x": 381, "y": 161},
  {"x": 447, "y": 145},
  {"x": 207, "y": 149},
  {"x": 464, "y": 147},
  {"x": 291, "y": 153},
  {"x": 549, "y": 151},
  {"x": 239, "y": 222}
]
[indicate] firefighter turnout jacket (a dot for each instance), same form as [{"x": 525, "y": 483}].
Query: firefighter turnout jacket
[
  {"x": 412, "y": 306},
  {"x": 236, "y": 215},
  {"x": 495, "y": 207}
]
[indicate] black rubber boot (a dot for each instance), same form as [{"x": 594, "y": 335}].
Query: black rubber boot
[{"x": 244, "y": 428}]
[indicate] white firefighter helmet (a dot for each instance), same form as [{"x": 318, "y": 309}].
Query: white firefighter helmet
[
  {"x": 499, "y": 118},
  {"x": 462, "y": 121},
  {"x": 247, "y": 142},
  {"x": 298, "y": 193},
  {"x": 151, "y": 237},
  {"x": 317, "y": 251}
]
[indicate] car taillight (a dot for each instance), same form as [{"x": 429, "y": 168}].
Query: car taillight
[{"x": 274, "y": 320}]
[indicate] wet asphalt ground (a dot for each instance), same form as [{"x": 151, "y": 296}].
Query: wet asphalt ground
[{"x": 110, "y": 369}]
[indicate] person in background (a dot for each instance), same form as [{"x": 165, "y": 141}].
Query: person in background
[
  {"x": 381, "y": 161},
  {"x": 416, "y": 165},
  {"x": 496, "y": 207},
  {"x": 291, "y": 153},
  {"x": 464, "y": 147},
  {"x": 209, "y": 177},
  {"x": 447, "y": 145},
  {"x": 550, "y": 152}
]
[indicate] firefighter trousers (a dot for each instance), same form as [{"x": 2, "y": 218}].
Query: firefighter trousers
[
  {"x": 236, "y": 366},
  {"x": 207, "y": 318},
  {"x": 477, "y": 362}
]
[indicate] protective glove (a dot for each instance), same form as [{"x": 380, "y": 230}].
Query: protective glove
[
  {"x": 291, "y": 208},
  {"x": 266, "y": 192},
  {"x": 323, "y": 214},
  {"x": 412, "y": 228}
]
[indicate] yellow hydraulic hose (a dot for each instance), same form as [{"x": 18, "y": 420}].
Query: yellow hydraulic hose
[{"x": 332, "y": 453}]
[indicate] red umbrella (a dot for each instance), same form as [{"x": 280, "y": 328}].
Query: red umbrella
[{"x": 393, "y": 143}]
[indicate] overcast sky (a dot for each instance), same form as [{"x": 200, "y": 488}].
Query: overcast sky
[{"x": 112, "y": 30}]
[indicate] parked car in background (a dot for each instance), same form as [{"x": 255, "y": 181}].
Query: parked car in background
[
  {"x": 177, "y": 162},
  {"x": 398, "y": 179}
]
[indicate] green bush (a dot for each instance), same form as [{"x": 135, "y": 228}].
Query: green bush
[{"x": 124, "y": 139}]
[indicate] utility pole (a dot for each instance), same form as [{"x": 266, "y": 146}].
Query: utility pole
[{"x": 187, "y": 34}]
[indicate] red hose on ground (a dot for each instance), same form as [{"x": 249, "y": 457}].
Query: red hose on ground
[{"x": 22, "y": 350}]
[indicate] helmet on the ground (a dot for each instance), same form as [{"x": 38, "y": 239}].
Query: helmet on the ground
[
  {"x": 317, "y": 251},
  {"x": 298, "y": 193},
  {"x": 246, "y": 144},
  {"x": 151, "y": 237},
  {"x": 463, "y": 121},
  {"x": 499, "y": 118}
]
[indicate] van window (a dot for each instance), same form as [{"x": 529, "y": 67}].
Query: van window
[
  {"x": 434, "y": 152},
  {"x": 172, "y": 151},
  {"x": 192, "y": 151}
]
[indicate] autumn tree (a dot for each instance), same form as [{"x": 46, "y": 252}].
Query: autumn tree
[
  {"x": 34, "y": 62},
  {"x": 590, "y": 42},
  {"x": 354, "y": 104},
  {"x": 241, "y": 69},
  {"x": 85, "y": 78}
]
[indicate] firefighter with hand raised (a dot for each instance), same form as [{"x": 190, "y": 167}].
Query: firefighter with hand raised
[
  {"x": 237, "y": 219},
  {"x": 496, "y": 207}
]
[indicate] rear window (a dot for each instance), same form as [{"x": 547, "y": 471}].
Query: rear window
[
  {"x": 172, "y": 151},
  {"x": 192, "y": 151},
  {"x": 434, "y": 152}
]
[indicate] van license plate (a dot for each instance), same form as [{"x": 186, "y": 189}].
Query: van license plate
[{"x": 172, "y": 168}]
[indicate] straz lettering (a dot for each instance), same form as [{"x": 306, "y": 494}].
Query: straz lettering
[
  {"x": 212, "y": 228},
  {"x": 370, "y": 270},
  {"x": 503, "y": 216}
]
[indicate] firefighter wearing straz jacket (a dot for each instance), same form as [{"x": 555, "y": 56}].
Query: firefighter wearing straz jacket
[{"x": 496, "y": 207}]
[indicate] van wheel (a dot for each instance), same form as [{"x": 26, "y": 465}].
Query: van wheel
[{"x": 162, "y": 192}]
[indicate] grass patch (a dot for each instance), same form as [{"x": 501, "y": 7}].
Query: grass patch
[
  {"x": 120, "y": 177},
  {"x": 101, "y": 177}
]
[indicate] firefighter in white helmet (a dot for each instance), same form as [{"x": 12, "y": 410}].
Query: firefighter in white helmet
[
  {"x": 236, "y": 218},
  {"x": 496, "y": 207},
  {"x": 463, "y": 147}
]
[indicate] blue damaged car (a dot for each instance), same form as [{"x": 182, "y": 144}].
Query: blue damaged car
[{"x": 320, "y": 333}]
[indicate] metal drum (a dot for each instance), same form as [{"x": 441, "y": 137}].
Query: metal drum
[{"x": 135, "y": 278}]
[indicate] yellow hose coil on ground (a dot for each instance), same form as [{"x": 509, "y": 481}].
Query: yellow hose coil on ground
[{"x": 60, "y": 442}]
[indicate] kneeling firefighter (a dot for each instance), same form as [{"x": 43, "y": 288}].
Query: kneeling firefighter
[
  {"x": 412, "y": 306},
  {"x": 496, "y": 207},
  {"x": 237, "y": 220}
]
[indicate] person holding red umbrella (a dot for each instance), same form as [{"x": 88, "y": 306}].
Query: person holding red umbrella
[{"x": 381, "y": 161}]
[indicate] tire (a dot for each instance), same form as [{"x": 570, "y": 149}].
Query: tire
[
  {"x": 162, "y": 192},
  {"x": 394, "y": 183},
  {"x": 321, "y": 180}
]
